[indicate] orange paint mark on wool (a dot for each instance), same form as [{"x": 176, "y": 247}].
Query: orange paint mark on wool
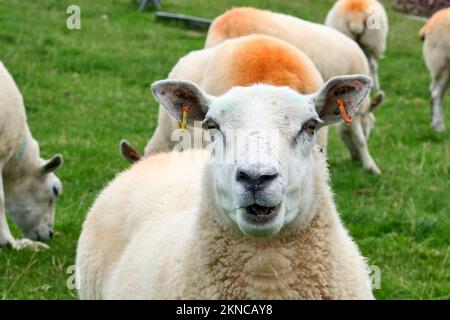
[
  {"x": 441, "y": 17},
  {"x": 236, "y": 22},
  {"x": 356, "y": 5},
  {"x": 264, "y": 61}
]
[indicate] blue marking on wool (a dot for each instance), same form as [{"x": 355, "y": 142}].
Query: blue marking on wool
[{"x": 21, "y": 151}]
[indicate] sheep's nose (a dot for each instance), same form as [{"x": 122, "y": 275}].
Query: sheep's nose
[
  {"x": 255, "y": 180},
  {"x": 50, "y": 233}
]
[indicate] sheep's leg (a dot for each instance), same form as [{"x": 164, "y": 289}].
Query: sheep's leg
[
  {"x": 373, "y": 64},
  {"x": 346, "y": 137},
  {"x": 30, "y": 245},
  {"x": 359, "y": 139},
  {"x": 6, "y": 237},
  {"x": 437, "y": 91}
]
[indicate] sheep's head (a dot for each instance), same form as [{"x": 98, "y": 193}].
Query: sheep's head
[
  {"x": 31, "y": 200},
  {"x": 263, "y": 138}
]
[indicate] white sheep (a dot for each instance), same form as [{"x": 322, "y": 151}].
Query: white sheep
[
  {"x": 238, "y": 62},
  {"x": 332, "y": 52},
  {"x": 436, "y": 51},
  {"x": 366, "y": 22},
  {"x": 236, "y": 225},
  {"x": 192, "y": 67},
  {"x": 28, "y": 186}
]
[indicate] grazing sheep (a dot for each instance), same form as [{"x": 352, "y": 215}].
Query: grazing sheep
[
  {"x": 235, "y": 225},
  {"x": 28, "y": 186},
  {"x": 332, "y": 52},
  {"x": 366, "y": 22},
  {"x": 436, "y": 51},
  {"x": 239, "y": 62}
]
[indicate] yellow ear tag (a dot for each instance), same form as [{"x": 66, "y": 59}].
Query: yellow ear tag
[
  {"x": 186, "y": 109},
  {"x": 345, "y": 116}
]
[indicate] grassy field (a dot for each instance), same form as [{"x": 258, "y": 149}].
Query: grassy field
[{"x": 86, "y": 89}]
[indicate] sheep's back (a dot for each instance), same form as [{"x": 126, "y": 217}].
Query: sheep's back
[
  {"x": 12, "y": 115},
  {"x": 260, "y": 59},
  {"x": 332, "y": 52},
  {"x": 437, "y": 41}
]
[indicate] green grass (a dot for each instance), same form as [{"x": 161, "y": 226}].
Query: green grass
[{"x": 86, "y": 89}]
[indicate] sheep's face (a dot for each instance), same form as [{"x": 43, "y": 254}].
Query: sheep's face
[
  {"x": 262, "y": 165},
  {"x": 31, "y": 200},
  {"x": 263, "y": 136}
]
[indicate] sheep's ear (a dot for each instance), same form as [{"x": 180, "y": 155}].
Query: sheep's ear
[
  {"x": 377, "y": 101},
  {"x": 128, "y": 152},
  {"x": 175, "y": 94},
  {"x": 351, "y": 90},
  {"x": 53, "y": 164}
]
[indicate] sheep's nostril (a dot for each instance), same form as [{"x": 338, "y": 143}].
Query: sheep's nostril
[
  {"x": 50, "y": 234},
  {"x": 267, "y": 178},
  {"x": 253, "y": 180},
  {"x": 243, "y": 177}
]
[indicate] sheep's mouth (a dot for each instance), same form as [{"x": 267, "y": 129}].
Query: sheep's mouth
[{"x": 259, "y": 214}]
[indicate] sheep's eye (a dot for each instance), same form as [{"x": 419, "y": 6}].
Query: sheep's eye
[
  {"x": 55, "y": 192},
  {"x": 310, "y": 126},
  {"x": 210, "y": 124}
]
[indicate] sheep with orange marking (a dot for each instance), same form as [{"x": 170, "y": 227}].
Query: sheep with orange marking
[
  {"x": 230, "y": 224},
  {"x": 332, "y": 52},
  {"x": 239, "y": 62},
  {"x": 366, "y": 22},
  {"x": 436, "y": 51}
]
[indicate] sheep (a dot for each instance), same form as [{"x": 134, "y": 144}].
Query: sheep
[
  {"x": 301, "y": 33},
  {"x": 235, "y": 62},
  {"x": 28, "y": 185},
  {"x": 366, "y": 22},
  {"x": 332, "y": 52},
  {"x": 436, "y": 51},
  {"x": 229, "y": 224}
]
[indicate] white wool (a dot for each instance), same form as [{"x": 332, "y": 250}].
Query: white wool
[
  {"x": 148, "y": 237},
  {"x": 24, "y": 190},
  {"x": 436, "y": 52},
  {"x": 367, "y": 25},
  {"x": 173, "y": 228}
]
